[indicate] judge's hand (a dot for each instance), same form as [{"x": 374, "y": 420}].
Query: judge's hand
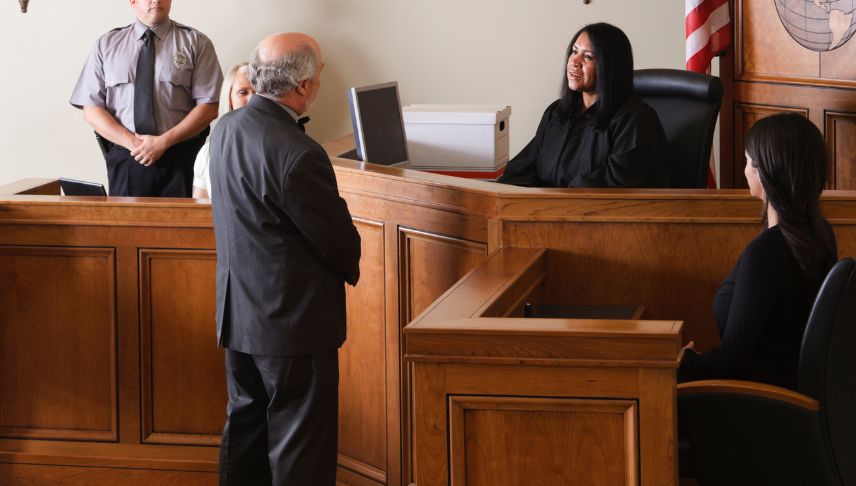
[
  {"x": 149, "y": 150},
  {"x": 690, "y": 346}
]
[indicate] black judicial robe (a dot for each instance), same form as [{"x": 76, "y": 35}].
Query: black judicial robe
[{"x": 570, "y": 151}]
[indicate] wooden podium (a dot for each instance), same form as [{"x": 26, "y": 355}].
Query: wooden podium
[
  {"x": 109, "y": 370},
  {"x": 500, "y": 399}
]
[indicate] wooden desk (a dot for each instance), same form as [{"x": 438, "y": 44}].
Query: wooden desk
[{"x": 118, "y": 376}]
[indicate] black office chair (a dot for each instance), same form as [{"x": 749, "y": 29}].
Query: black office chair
[
  {"x": 687, "y": 104},
  {"x": 740, "y": 432}
]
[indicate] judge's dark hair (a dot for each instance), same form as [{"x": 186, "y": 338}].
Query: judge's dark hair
[
  {"x": 613, "y": 57},
  {"x": 792, "y": 162}
]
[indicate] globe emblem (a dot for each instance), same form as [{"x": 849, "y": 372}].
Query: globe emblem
[{"x": 819, "y": 25}]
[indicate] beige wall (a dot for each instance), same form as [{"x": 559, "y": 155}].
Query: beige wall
[{"x": 440, "y": 51}]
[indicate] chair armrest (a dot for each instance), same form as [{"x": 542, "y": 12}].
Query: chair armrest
[{"x": 749, "y": 388}]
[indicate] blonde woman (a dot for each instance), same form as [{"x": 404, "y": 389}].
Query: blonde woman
[{"x": 235, "y": 94}]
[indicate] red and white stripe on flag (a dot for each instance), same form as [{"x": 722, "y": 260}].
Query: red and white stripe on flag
[{"x": 708, "y": 34}]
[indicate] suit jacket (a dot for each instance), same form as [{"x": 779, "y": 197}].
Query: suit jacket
[{"x": 285, "y": 239}]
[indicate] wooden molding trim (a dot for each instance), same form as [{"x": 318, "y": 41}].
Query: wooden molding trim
[
  {"x": 601, "y": 328},
  {"x": 507, "y": 270},
  {"x": 178, "y": 439},
  {"x": 361, "y": 468},
  {"x": 458, "y": 341},
  {"x": 166, "y": 457},
  {"x": 748, "y": 388},
  {"x": 795, "y": 80},
  {"x": 405, "y": 236},
  {"x": 106, "y": 211},
  {"x": 840, "y": 161},
  {"x": 147, "y": 362},
  {"x": 45, "y": 187},
  {"x": 459, "y": 405}
]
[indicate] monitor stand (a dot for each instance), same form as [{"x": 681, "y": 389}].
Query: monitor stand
[{"x": 351, "y": 155}]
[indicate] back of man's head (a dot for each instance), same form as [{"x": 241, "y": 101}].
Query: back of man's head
[{"x": 280, "y": 62}]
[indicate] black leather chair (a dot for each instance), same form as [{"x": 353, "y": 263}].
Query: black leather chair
[
  {"x": 740, "y": 432},
  {"x": 687, "y": 104}
]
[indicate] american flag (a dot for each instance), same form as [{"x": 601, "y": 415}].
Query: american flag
[{"x": 708, "y": 34}]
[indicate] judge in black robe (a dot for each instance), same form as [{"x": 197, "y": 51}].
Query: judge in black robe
[{"x": 598, "y": 134}]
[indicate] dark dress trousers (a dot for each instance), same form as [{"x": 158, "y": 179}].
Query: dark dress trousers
[
  {"x": 170, "y": 176},
  {"x": 286, "y": 245}
]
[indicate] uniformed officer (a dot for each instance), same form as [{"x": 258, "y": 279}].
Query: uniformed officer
[{"x": 150, "y": 89}]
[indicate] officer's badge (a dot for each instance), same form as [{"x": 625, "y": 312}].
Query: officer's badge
[{"x": 179, "y": 60}]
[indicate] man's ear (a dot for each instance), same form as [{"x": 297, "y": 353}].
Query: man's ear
[{"x": 301, "y": 87}]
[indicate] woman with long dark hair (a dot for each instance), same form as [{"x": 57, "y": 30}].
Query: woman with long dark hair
[
  {"x": 598, "y": 133},
  {"x": 762, "y": 307}
]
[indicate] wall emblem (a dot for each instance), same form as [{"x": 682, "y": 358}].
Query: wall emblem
[{"x": 819, "y": 25}]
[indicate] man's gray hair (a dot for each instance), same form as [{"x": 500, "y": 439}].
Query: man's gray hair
[{"x": 281, "y": 76}]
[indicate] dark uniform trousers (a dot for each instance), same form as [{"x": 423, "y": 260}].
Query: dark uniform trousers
[
  {"x": 282, "y": 420},
  {"x": 170, "y": 176}
]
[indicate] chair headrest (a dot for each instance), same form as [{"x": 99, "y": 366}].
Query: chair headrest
[{"x": 677, "y": 83}]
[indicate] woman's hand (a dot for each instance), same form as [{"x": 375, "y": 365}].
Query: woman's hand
[{"x": 690, "y": 346}]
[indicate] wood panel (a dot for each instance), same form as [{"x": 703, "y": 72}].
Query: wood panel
[
  {"x": 516, "y": 379},
  {"x": 40, "y": 475},
  {"x": 598, "y": 238},
  {"x": 58, "y": 343},
  {"x": 362, "y": 364},
  {"x": 664, "y": 267},
  {"x": 841, "y": 137},
  {"x": 109, "y": 455},
  {"x": 522, "y": 441},
  {"x": 496, "y": 288},
  {"x": 183, "y": 377},
  {"x": 32, "y": 186},
  {"x": 538, "y": 401},
  {"x": 770, "y": 52},
  {"x": 766, "y": 48},
  {"x": 658, "y": 424},
  {"x": 346, "y": 477},
  {"x": 773, "y": 65},
  {"x": 430, "y": 264},
  {"x": 746, "y": 115},
  {"x": 838, "y": 63}
]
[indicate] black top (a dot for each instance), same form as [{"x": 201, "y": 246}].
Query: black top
[
  {"x": 569, "y": 151},
  {"x": 761, "y": 311}
]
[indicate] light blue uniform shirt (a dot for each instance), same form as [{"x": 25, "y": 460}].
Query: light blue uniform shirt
[{"x": 187, "y": 73}]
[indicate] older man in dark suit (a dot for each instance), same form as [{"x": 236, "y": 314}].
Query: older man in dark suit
[{"x": 285, "y": 247}]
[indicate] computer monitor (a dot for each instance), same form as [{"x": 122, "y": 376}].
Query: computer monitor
[
  {"x": 71, "y": 187},
  {"x": 378, "y": 124}
]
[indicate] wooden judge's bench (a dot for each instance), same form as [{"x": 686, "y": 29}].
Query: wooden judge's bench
[{"x": 110, "y": 374}]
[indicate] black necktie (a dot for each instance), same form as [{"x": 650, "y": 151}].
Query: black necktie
[
  {"x": 301, "y": 123},
  {"x": 144, "y": 112}
]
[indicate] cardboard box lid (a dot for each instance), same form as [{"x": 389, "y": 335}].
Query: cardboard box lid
[{"x": 456, "y": 114}]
